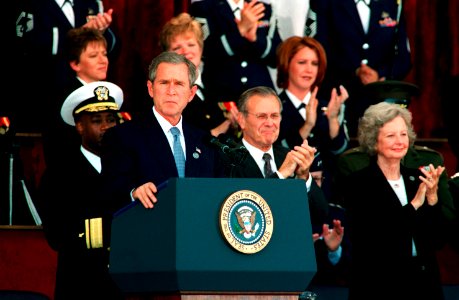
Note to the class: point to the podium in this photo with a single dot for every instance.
(179, 247)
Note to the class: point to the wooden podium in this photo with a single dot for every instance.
(177, 250)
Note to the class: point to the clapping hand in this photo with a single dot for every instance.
(250, 15)
(332, 237)
(100, 21)
(428, 187)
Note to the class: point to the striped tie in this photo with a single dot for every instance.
(178, 152)
(310, 28)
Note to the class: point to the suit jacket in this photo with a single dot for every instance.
(355, 159)
(137, 152)
(70, 193)
(231, 63)
(318, 205)
(319, 213)
(384, 47)
(381, 232)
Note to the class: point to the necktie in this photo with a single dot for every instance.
(268, 170)
(178, 152)
(200, 92)
(310, 28)
(302, 105)
(67, 9)
(237, 13)
(364, 13)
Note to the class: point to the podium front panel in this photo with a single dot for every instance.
(177, 246)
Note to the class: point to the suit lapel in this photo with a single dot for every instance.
(194, 151)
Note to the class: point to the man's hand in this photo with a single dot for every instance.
(146, 194)
(298, 161)
(304, 156)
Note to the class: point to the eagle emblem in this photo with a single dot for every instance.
(246, 219)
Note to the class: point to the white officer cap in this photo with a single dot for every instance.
(92, 97)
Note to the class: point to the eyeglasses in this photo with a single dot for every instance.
(264, 117)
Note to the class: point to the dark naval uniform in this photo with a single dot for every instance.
(73, 208)
(384, 48)
(76, 215)
(232, 64)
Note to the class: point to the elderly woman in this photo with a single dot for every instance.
(394, 217)
(183, 35)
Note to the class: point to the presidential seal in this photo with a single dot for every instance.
(246, 221)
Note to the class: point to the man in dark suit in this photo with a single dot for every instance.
(139, 154)
(365, 41)
(259, 118)
(76, 221)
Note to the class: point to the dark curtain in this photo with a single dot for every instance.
(433, 29)
(138, 24)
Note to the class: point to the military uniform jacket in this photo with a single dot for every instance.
(381, 233)
(204, 114)
(232, 64)
(341, 33)
(70, 193)
(319, 137)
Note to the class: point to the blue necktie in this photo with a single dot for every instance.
(178, 152)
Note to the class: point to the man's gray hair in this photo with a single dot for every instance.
(172, 58)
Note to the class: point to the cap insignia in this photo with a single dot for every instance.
(101, 93)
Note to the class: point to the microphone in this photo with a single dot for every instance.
(216, 143)
(228, 140)
(232, 155)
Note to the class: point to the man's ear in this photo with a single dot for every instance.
(241, 120)
(79, 127)
(194, 89)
